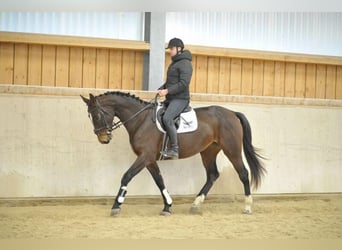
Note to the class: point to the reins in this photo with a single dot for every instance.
(153, 103)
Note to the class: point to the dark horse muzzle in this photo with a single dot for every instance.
(104, 136)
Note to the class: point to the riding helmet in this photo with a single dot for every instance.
(175, 42)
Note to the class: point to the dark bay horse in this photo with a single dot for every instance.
(218, 129)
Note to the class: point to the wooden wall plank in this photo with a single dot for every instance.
(279, 79)
(269, 73)
(89, 68)
(62, 66)
(139, 68)
(320, 80)
(34, 65)
(338, 82)
(143, 46)
(331, 82)
(201, 74)
(213, 75)
(192, 87)
(20, 63)
(290, 79)
(6, 63)
(128, 60)
(310, 83)
(75, 69)
(300, 80)
(102, 68)
(235, 81)
(73, 41)
(49, 65)
(224, 75)
(247, 77)
(115, 69)
(258, 77)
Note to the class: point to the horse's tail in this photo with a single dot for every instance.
(253, 158)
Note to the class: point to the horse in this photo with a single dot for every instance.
(218, 129)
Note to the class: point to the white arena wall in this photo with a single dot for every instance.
(48, 149)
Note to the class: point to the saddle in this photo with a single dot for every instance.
(185, 122)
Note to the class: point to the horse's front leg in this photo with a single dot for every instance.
(137, 166)
(157, 177)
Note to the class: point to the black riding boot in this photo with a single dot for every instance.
(172, 152)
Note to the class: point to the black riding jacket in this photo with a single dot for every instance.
(179, 75)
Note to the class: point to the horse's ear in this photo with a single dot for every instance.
(91, 99)
(85, 100)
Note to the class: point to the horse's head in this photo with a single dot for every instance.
(102, 117)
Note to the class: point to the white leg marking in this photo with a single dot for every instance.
(121, 198)
(248, 204)
(198, 200)
(167, 197)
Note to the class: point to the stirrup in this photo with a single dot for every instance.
(171, 153)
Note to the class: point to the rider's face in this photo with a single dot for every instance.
(174, 50)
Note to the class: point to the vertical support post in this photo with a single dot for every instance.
(154, 61)
(146, 62)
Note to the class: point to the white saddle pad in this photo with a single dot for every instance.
(188, 121)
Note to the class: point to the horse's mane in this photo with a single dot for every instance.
(133, 97)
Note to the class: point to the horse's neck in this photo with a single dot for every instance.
(126, 109)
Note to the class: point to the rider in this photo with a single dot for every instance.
(176, 90)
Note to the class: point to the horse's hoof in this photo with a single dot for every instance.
(247, 211)
(195, 210)
(115, 212)
(165, 213)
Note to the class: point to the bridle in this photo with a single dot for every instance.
(102, 113)
(115, 125)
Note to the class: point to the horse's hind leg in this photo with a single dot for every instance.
(236, 160)
(209, 161)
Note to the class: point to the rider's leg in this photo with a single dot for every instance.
(173, 110)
